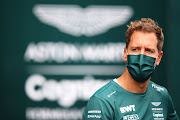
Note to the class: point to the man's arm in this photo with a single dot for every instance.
(98, 109)
(171, 111)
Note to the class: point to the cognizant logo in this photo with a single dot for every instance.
(65, 92)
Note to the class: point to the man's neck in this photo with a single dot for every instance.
(128, 83)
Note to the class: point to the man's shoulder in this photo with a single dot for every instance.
(107, 91)
(158, 88)
(99, 106)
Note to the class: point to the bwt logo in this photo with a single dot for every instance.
(127, 108)
(65, 92)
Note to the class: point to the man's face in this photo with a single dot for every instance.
(143, 43)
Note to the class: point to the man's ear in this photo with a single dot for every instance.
(125, 55)
(158, 60)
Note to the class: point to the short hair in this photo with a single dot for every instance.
(145, 25)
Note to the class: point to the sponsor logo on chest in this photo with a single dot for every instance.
(131, 117)
(157, 111)
(128, 108)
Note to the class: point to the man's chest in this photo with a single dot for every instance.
(140, 109)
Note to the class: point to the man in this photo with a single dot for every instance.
(133, 96)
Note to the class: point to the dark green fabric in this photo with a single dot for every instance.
(141, 67)
(112, 102)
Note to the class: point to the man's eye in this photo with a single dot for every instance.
(150, 51)
(134, 49)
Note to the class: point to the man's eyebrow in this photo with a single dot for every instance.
(134, 47)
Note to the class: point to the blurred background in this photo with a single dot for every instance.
(56, 53)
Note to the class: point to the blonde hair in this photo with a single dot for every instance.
(145, 25)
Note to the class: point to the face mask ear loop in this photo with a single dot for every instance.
(126, 52)
(155, 61)
(127, 55)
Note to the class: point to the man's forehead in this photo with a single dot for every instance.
(145, 39)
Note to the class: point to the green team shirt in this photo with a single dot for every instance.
(112, 102)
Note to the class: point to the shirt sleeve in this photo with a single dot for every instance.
(97, 109)
(172, 115)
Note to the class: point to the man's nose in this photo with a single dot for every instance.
(142, 51)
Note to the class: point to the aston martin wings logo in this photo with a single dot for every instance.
(156, 103)
(77, 21)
